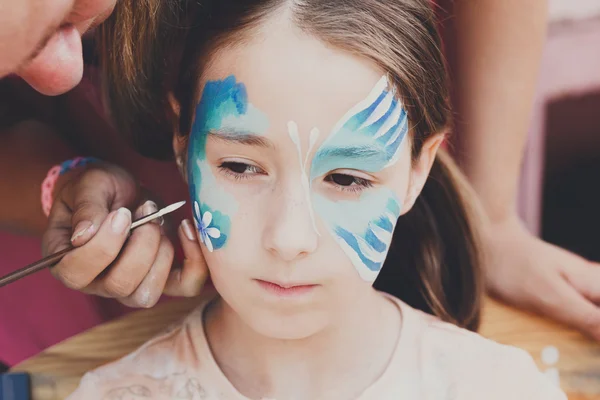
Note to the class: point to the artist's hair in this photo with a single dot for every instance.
(151, 48)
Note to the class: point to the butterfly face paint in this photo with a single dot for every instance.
(367, 138)
(224, 107)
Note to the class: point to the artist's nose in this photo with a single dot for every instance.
(59, 66)
(291, 231)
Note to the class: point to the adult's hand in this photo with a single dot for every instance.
(529, 273)
(91, 212)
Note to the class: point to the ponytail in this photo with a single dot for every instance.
(433, 262)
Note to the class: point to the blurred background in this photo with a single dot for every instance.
(559, 195)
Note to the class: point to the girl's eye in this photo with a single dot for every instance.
(239, 170)
(349, 183)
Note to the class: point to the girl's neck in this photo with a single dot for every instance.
(338, 362)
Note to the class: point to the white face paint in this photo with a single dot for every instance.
(314, 136)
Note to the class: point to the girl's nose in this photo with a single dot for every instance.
(290, 232)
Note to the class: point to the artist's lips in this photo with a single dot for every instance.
(286, 289)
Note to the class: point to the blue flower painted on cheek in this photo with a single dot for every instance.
(203, 223)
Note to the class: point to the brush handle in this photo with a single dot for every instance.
(46, 262)
(55, 258)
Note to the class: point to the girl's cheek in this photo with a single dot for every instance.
(363, 228)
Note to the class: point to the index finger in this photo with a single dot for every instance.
(573, 309)
(83, 264)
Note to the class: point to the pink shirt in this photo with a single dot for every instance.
(433, 360)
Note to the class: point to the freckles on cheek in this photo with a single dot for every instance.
(363, 228)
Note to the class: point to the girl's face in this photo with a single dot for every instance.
(299, 166)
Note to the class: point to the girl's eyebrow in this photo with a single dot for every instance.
(244, 138)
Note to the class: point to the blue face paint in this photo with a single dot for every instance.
(367, 138)
(372, 131)
(224, 107)
(362, 228)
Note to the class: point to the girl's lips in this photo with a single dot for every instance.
(285, 290)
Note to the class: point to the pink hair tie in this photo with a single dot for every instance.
(53, 175)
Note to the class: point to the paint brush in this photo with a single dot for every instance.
(53, 259)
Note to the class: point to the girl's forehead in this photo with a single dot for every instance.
(295, 77)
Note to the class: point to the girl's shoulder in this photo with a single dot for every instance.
(464, 365)
(166, 367)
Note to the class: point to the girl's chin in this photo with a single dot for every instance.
(286, 326)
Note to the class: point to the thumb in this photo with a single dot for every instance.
(57, 236)
(96, 194)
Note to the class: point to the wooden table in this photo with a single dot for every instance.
(56, 371)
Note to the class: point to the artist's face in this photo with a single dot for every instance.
(299, 166)
(40, 40)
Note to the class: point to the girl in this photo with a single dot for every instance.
(307, 131)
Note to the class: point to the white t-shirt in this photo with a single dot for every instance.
(433, 360)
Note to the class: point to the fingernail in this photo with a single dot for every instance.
(82, 228)
(150, 207)
(187, 230)
(121, 221)
(144, 298)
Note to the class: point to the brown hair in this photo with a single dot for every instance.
(433, 264)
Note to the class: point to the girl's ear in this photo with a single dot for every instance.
(179, 148)
(179, 141)
(174, 104)
(421, 168)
